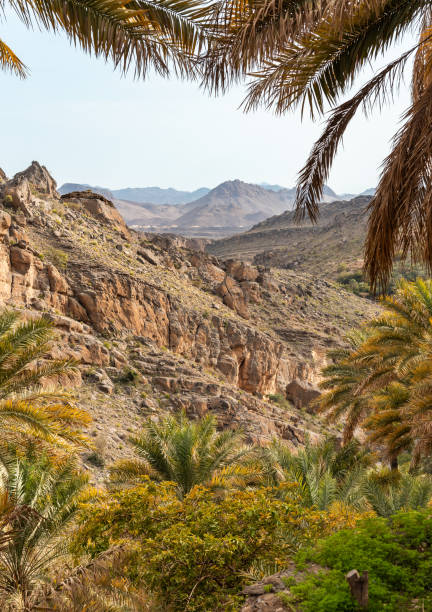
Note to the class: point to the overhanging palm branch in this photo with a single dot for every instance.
(309, 54)
(9, 61)
(246, 33)
(134, 35)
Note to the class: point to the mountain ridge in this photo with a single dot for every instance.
(230, 207)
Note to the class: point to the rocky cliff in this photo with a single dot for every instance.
(157, 324)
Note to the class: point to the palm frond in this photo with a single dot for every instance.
(317, 168)
(401, 210)
(137, 35)
(315, 70)
(9, 61)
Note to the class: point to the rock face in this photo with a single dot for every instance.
(115, 302)
(233, 296)
(300, 394)
(3, 176)
(197, 333)
(39, 178)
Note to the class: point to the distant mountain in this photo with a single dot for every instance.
(156, 195)
(233, 206)
(140, 195)
(334, 244)
(327, 191)
(270, 187)
(369, 192)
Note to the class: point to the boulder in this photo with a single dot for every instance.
(21, 260)
(98, 207)
(264, 596)
(148, 256)
(16, 234)
(301, 393)
(3, 177)
(251, 291)
(241, 271)
(33, 188)
(5, 222)
(18, 195)
(233, 297)
(58, 284)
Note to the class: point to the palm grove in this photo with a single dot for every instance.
(199, 513)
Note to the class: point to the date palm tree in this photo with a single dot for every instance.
(387, 494)
(136, 35)
(383, 380)
(308, 54)
(28, 408)
(49, 493)
(388, 423)
(189, 453)
(345, 385)
(325, 471)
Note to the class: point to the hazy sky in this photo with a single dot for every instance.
(88, 124)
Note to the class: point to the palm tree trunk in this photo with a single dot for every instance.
(394, 464)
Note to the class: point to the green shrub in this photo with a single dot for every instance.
(195, 552)
(280, 400)
(128, 376)
(96, 459)
(396, 552)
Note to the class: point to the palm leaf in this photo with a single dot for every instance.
(9, 61)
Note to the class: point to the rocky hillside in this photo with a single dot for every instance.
(336, 240)
(158, 325)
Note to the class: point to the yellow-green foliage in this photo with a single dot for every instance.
(195, 551)
(58, 257)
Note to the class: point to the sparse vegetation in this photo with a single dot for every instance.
(280, 400)
(128, 376)
(56, 256)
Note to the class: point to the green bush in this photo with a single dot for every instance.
(193, 553)
(280, 400)
(128, 376)
(396, 552)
